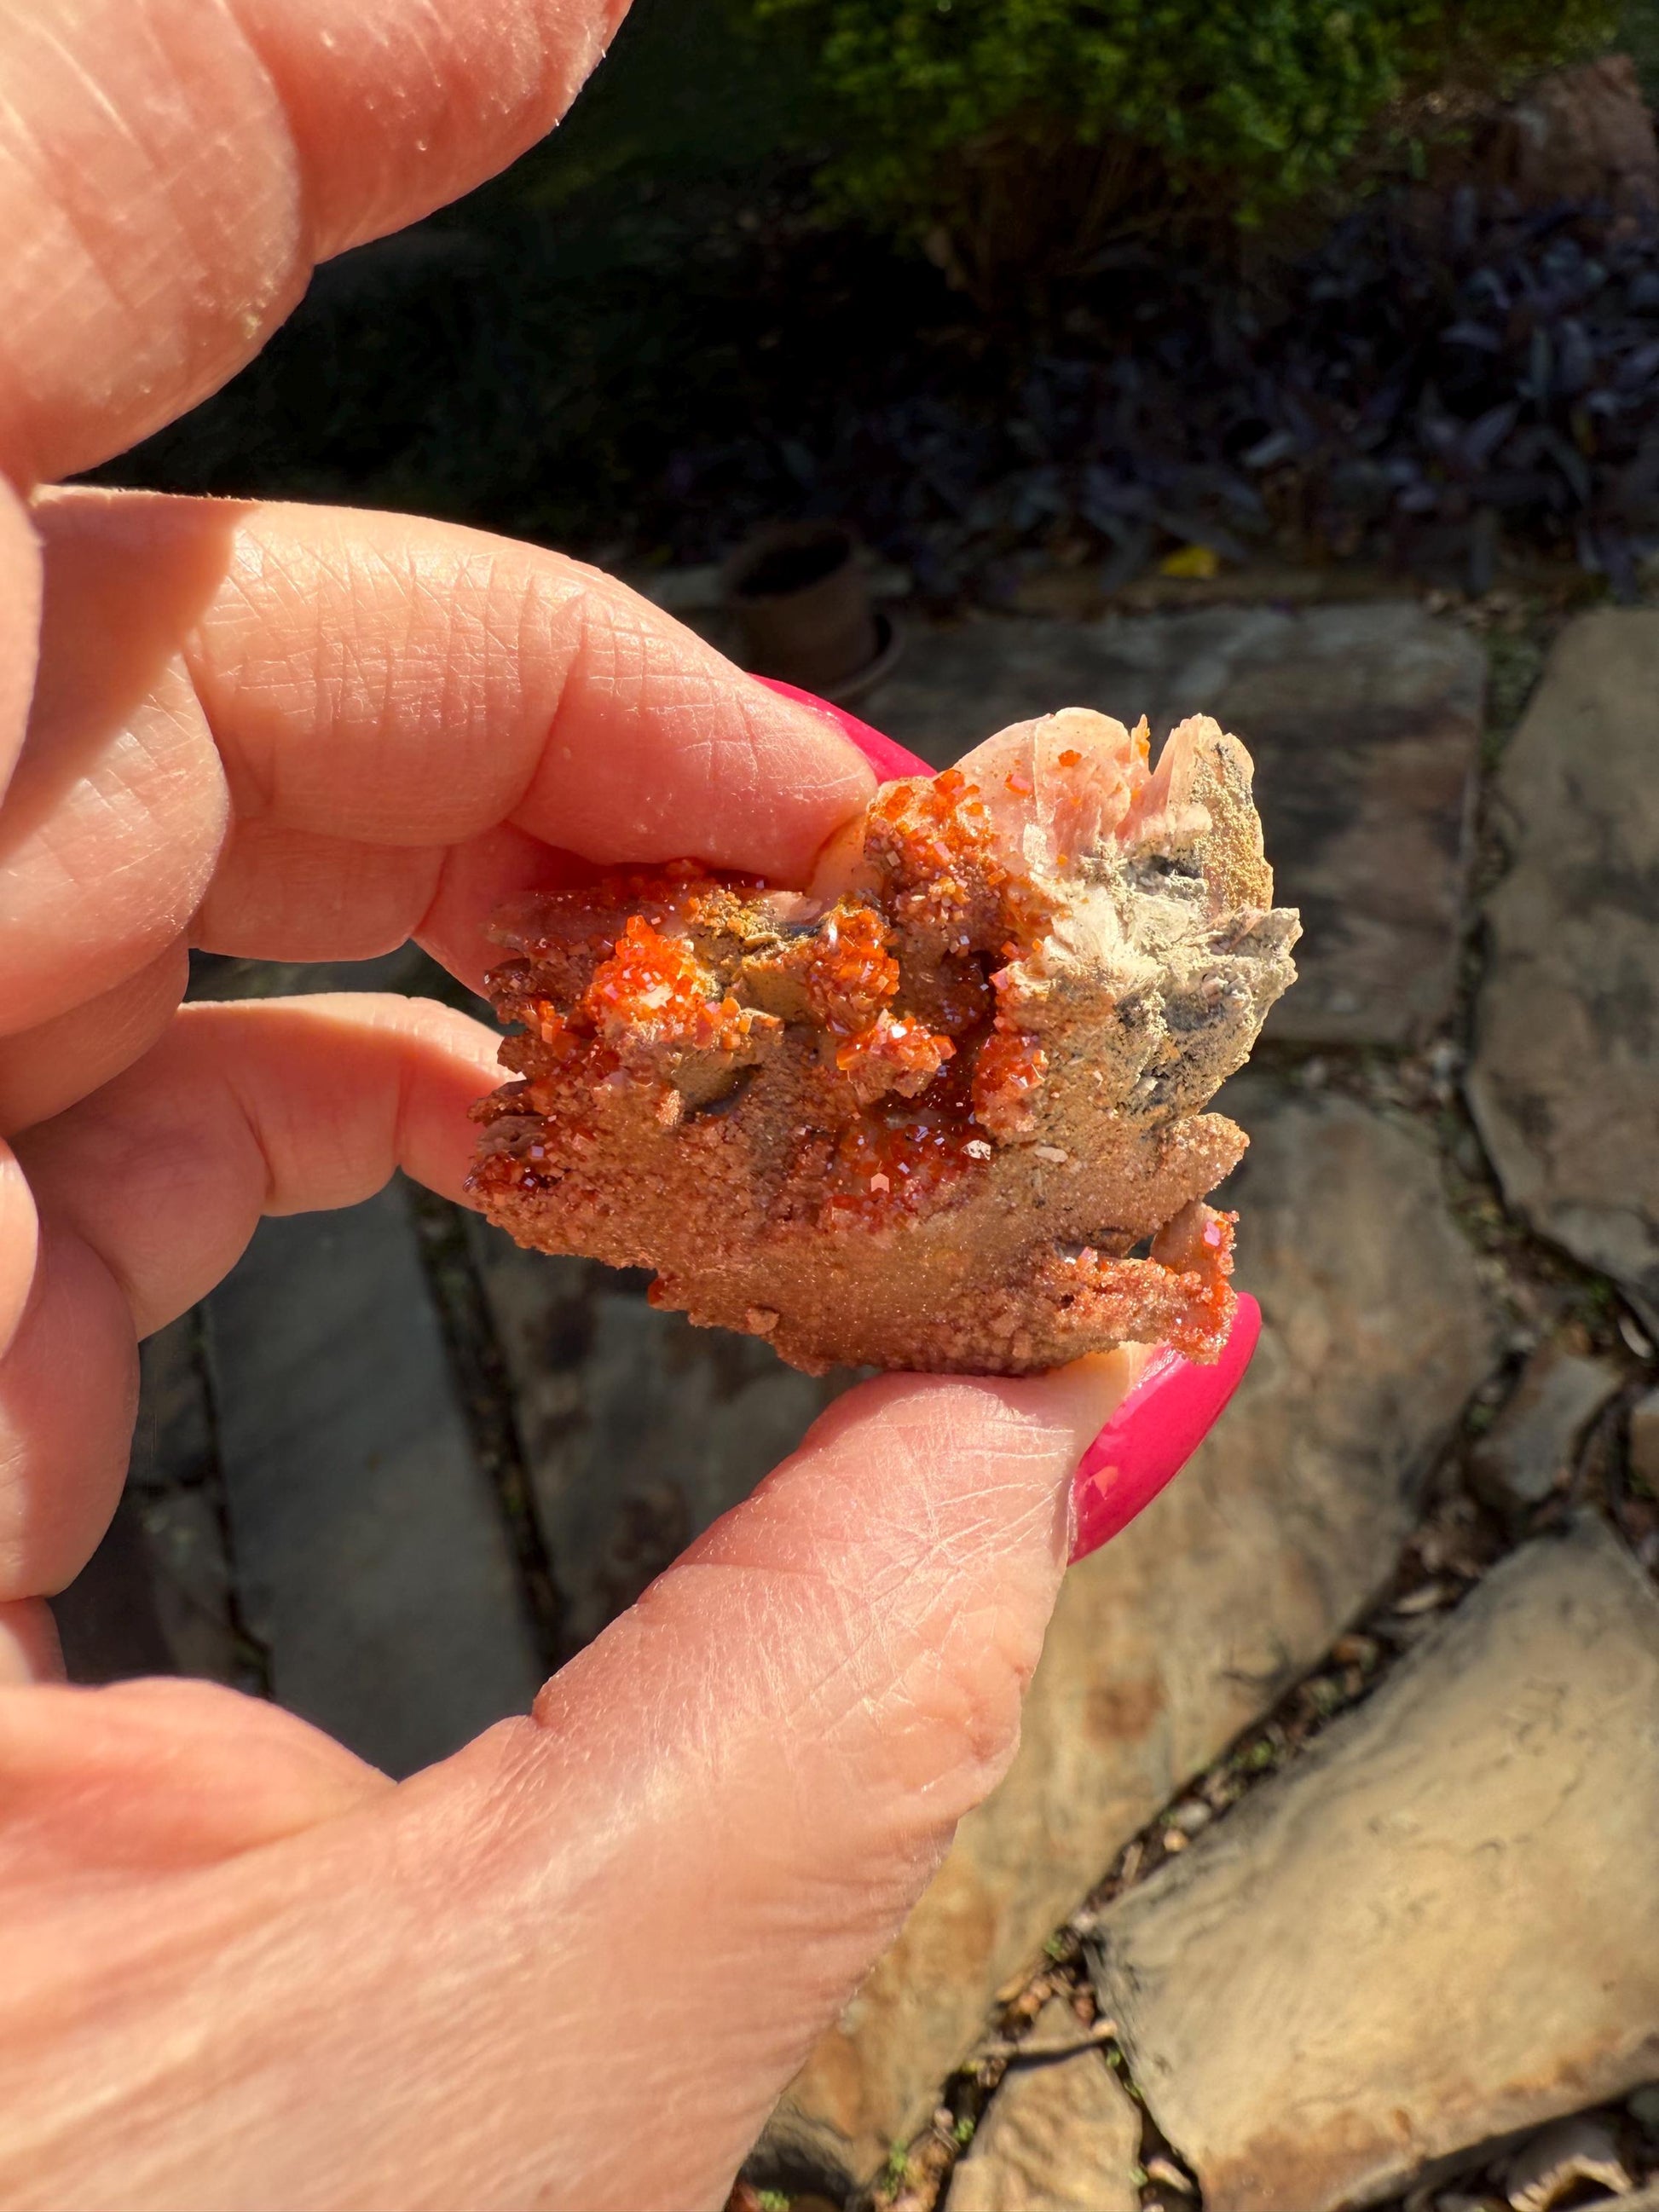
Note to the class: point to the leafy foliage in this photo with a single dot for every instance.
(1252, 103)
(641, 346)
(1427, 396)
(1638, 37)
(1432, 394)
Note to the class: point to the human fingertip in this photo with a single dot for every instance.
(1095, 1386)
(29, 1648)
(1157, 1425)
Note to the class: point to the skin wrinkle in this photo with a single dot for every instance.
(175, 1737)
(518, 650)
(71, 278)
(172, 2068)
(235, 1154)
(344, 685)
(296, 895)
(232, 1223)
(129, 521)
(527, 646)
(527, 68)
(70, 870)
(105, 787)
(360, 674)
(574, 662)
(112, 260)
(46, 1068)
(980, 1713)
(957, 1688)
(134, 784)
(872, 1526)
(657, 1841)
(855, 1637)
(137, 783)
(257, 564)
(137, 244)
(453, 713)
(118, 807)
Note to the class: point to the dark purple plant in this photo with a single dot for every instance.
(1425, 388)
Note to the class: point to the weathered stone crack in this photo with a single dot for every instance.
(486, 1397)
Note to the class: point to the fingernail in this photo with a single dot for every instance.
(1154, 1433)
(889, 760)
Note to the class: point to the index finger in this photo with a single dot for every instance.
(273, 704)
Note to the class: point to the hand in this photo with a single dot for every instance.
(575, 1963)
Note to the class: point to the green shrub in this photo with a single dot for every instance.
(1638, 36)
(1082, 112)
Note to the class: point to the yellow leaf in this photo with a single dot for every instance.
(1197, 563)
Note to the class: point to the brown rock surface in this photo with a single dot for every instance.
(1578, 134)
(1172, 1640)
(368, 1545)
(1440, 1925)
(1060, 2138)
(1644, 1440)
(1364, 725)
(1550, 2169)
(1564, 1082)
(1529, 1451)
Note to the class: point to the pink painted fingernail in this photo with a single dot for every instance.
(1154, 1433)
(889, 760)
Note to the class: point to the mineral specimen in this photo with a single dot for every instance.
(942, 1109)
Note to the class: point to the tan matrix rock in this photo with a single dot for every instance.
(922, 1113)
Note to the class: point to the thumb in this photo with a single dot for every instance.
(736, 1795)
(575, 1963)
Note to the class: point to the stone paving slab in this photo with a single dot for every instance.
(1550, 2165)
(1564, 1080)
(173, 1483)
(1644, 1440)
(1365, 722)
(1172, 1640)
(370, 1551)
(1528, 1452)
(108, 1623)
(637, 1429)
(407, 970)
(1061, 2137)
(1439, 1926)
(1560, 2161)
(155, 1598)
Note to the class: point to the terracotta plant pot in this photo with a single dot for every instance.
(801, 599)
